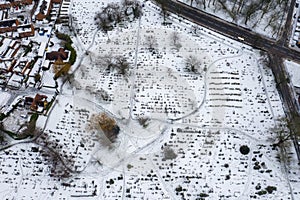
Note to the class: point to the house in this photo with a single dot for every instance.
(59, 55)
(28, 101)
(6, 5)
(39, 103)
(46, 65)
(15, 82)
(26, 30)
(45, 9)
(9, 25)
(42, 49)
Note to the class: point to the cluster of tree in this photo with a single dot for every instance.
(246, 10)
(57, 167)
(102, 122)
(118, 63)
(115, 13)
(285, 129)
(100, 94)
(152, 44)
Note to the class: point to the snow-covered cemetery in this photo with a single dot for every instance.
(117, 99)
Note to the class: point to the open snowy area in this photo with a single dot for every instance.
(203, 133)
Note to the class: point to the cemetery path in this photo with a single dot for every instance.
(244, 194)
(163, 182)
(133, 75)
(124, 183)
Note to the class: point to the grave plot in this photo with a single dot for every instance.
(211, 162)
(191, 162)
(66, 134)
(239, 95)
(18, 172)
(132, 186)
(85, 26)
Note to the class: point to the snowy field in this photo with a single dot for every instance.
(197, 122)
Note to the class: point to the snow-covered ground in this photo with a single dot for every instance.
(293, 69)
(4, 99)
(190, 148)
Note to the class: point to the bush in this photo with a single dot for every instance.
(68, 46)
(169, 154)
(2, 116)
(270, 189)
(203, 195)
(73, 55)
(262, 192)
(244, 149)
(178, 188)
(34, 117)
(64, 37)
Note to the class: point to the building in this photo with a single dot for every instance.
(39, 103)
(45, 9)
(42, 49)
(8, 25)
(60, 55)
(26, 30)
(6, 5)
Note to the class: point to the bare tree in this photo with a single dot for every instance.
(151, 42)
(103, 22)
(168, 153)
(281, 134)
(132, 6)
(107, 61)
(193, 64)
(115, 13)
(118, 63)
(122, 65)
(175, 40)
(164, 11)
